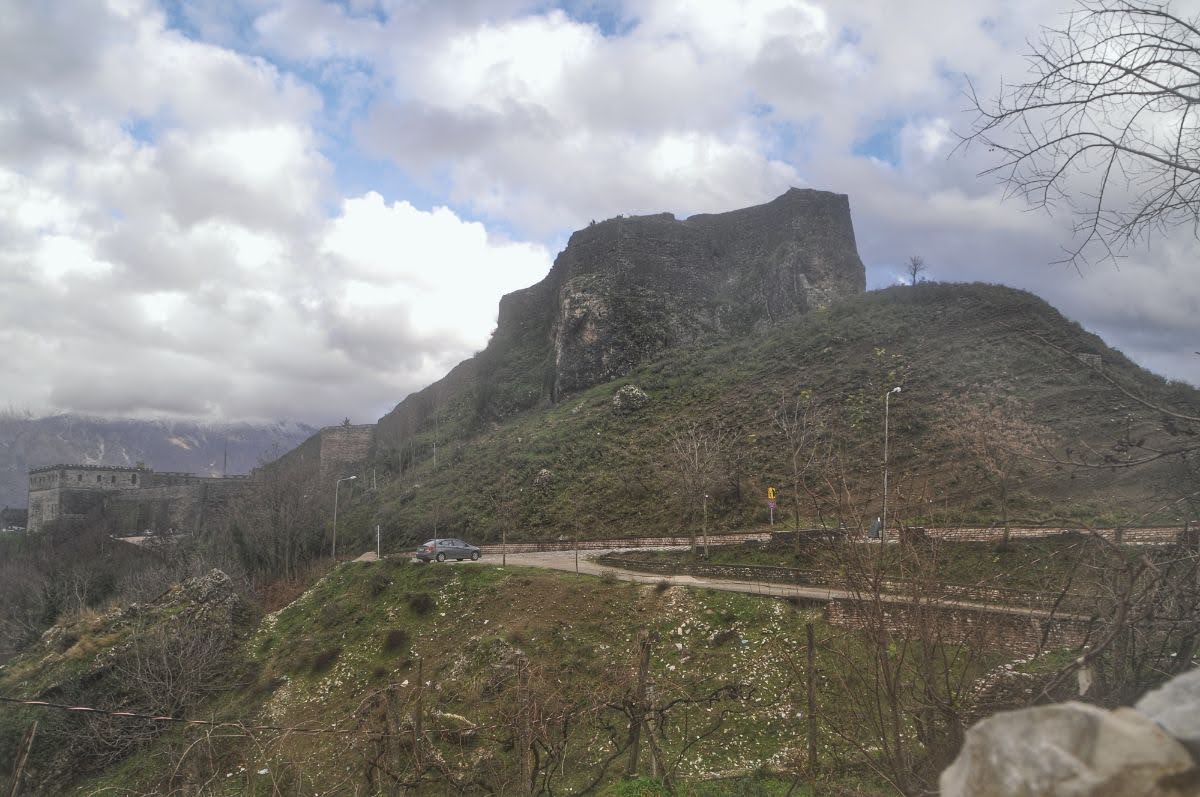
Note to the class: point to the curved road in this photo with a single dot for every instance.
(566, 560)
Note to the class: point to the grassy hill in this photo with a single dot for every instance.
(579, 467)
(505, 655)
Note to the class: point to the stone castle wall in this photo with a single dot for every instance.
(138, 498)
(331, 453)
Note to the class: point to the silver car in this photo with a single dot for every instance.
(444, 549)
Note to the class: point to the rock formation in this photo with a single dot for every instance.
(1078, 750)
(628, 289)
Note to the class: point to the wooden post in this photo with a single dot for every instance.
(639, 703)
(418, 721)
(526, 726)
(577, 552)
(812, 698)
(22, 758)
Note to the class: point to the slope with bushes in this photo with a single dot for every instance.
(579, 467)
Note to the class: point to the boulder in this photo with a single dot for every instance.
(1175, 706)
(630, 398)
(1068, 750)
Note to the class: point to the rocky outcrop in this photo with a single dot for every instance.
(630, 398)
(1078, 750)
(628, 289)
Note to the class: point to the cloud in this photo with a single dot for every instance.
(176, 247)
(177, 237)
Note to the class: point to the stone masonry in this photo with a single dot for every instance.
(139, 497)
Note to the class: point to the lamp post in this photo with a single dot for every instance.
(337, 485)
(883, 520)
(705, 526)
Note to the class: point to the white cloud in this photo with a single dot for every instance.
(174, 239)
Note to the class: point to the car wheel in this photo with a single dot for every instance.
(474, 556)
(441, 557)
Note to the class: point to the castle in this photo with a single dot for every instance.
(140, 499)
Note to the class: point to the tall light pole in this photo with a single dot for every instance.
(705, 527)
(335, 503)
(883, 520)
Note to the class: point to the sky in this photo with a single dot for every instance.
(306, 209)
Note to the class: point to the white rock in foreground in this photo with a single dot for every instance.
(1068, 750)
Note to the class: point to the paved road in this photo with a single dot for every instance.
(566, 560)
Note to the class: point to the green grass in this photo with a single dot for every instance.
(457, 626)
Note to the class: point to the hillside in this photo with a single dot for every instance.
(27, 442)
(579, 466)
(627, 289)
(487, 658)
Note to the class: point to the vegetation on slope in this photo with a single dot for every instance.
(487, 643)
(578, 467)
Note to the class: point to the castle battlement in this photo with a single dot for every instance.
(150, 499)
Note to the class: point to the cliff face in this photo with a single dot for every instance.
(627, 289)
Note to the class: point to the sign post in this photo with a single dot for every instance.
(771, 503)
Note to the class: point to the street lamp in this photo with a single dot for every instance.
(883, 520)
(335, 503)
(705, 526)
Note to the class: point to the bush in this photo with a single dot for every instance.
(332, 614)
(724, 637)
(395, 640)
(421, 603)
(378, 583)
(324, 661)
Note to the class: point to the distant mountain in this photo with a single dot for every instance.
(208, 449)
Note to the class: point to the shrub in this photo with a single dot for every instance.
(662, 586)
(332, 614)
(323, 661)
(378, 583)
(421, 603)
(395, 640)
(721, 638)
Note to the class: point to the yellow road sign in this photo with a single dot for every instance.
(770, 493)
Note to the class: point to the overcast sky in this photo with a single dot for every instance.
(306, 209)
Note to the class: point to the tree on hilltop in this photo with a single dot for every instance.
(915, 267)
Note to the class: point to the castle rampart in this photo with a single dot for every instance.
(140, 498)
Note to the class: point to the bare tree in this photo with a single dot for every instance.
(805, 423)
(276, 524)
(997, 439)
(1105, 126)
(695, 455)
(915, 268)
